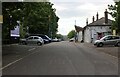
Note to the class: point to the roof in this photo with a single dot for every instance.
(77, 28)
(101, 22)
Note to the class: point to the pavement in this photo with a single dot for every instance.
(110, 50)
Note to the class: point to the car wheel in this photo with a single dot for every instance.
(100, 45)
(39, 43)
(118, 44)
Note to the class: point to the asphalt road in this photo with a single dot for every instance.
(62, 58)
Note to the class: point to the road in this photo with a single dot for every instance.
(62, 58)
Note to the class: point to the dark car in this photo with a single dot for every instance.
(44, 37)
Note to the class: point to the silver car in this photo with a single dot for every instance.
(108, 40)
(32, 40)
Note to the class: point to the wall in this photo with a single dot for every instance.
(80, 36)
(87, 35)
(91, 33)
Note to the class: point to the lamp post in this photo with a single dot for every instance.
(49, 24)
(9, 28)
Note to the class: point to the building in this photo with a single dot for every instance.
(79, 33)
(97, 29)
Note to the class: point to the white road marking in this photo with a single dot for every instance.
(18, 59)
(31, 49)
(11, 63)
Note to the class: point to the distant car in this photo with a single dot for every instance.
(108, 40)
(32, 40)
(56, 40)
(72, 39)
(44, 37)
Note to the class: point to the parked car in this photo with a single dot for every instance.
(72, 39)
(44, 37)
(56, 40)
(32, 40)
(108, 40)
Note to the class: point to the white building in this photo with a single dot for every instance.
(79, 33)
(97, 29)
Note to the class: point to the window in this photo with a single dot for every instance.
(109, 27)
(109, 38)
(115, 37)
(30, 38)
(36, 38)
(112, 37)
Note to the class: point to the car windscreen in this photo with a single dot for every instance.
(103, 38)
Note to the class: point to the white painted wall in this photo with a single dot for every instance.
(91, 32)
(80, 36)
(87, 35)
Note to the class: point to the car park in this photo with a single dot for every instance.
(32, 40)
(108, 40)
(44, 37)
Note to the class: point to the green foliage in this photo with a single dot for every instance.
(40, 17)
(10, 16)
(71, 34)
(115, 13)
(59, 36)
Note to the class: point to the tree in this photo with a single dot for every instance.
(71, 34)
(40, 18)
(115, 13)
(59, 36)
(34, 17)
(10, 16)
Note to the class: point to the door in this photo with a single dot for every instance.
(100, 36)
(36, 39)
(109, 40)
(30, 40)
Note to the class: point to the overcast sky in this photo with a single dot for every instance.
(70, 10)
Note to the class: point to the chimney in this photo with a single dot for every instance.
(87, 21)
(106, 16)
(93, 18)
(97, 16)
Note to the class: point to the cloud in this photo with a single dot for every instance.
(60, 8)
(70, 10)
(77, 9)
